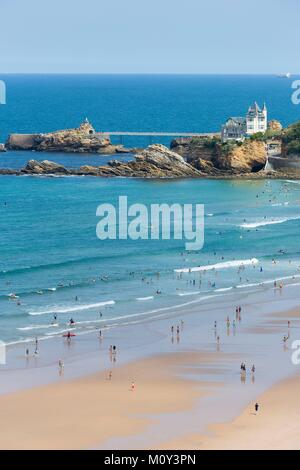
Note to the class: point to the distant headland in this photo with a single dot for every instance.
(245, 147)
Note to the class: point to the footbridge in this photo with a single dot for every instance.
(120, 135)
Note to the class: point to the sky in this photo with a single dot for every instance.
(149, 36)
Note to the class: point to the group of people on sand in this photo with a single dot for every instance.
(244, 369)
(178, 329)
(36, 349)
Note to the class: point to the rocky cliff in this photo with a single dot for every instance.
(248, 157)
(83, 139)
(214, 158)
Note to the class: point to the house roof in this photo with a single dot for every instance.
(238, 121)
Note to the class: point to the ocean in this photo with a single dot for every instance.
(50, 257)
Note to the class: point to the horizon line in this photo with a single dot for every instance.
(155, 73)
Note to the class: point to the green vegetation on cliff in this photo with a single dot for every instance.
(291, 139)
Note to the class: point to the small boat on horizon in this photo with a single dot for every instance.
(284, 75)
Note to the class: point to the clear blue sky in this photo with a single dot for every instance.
(149, 36)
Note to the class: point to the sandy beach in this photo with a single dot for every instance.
(274, 427)
(84, 413)
(188, 391)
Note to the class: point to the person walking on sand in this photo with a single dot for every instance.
(256, 407)
(110, 375)
(61, 365)
(132, 386)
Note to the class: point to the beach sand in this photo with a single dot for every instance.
(93, 412)
(275, 427)
(86, 412)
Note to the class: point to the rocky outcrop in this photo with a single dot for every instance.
(248, 157)
(275, 126)
(21, 142)
(156, 161)
(2, 148)
(193, 148)
(212, 157)
(158, 158)
(45, 167)
(84, 139)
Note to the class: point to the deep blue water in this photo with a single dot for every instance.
(170, 103)
(49, 252)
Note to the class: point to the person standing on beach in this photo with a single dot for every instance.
(36, 346)
(256, 407)
(132, 386)
(61, 366)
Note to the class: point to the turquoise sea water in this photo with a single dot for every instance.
(50, 257)
(52, 260)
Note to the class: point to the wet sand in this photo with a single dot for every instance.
(275, 427)
(179, 393)
(84, 413)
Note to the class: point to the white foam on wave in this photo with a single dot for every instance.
(37, 327)
(224, 289)
(270, 281)
(145, 298)
(293, 181)
(73, 308)
(162, 309)
(225, 265)
(60, 332)
(242, 286)
(268, 222)
(183, 294)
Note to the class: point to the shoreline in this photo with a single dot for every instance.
(181, 394)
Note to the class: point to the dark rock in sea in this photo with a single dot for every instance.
(156, 161)
(84, 139)
(45, 167)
